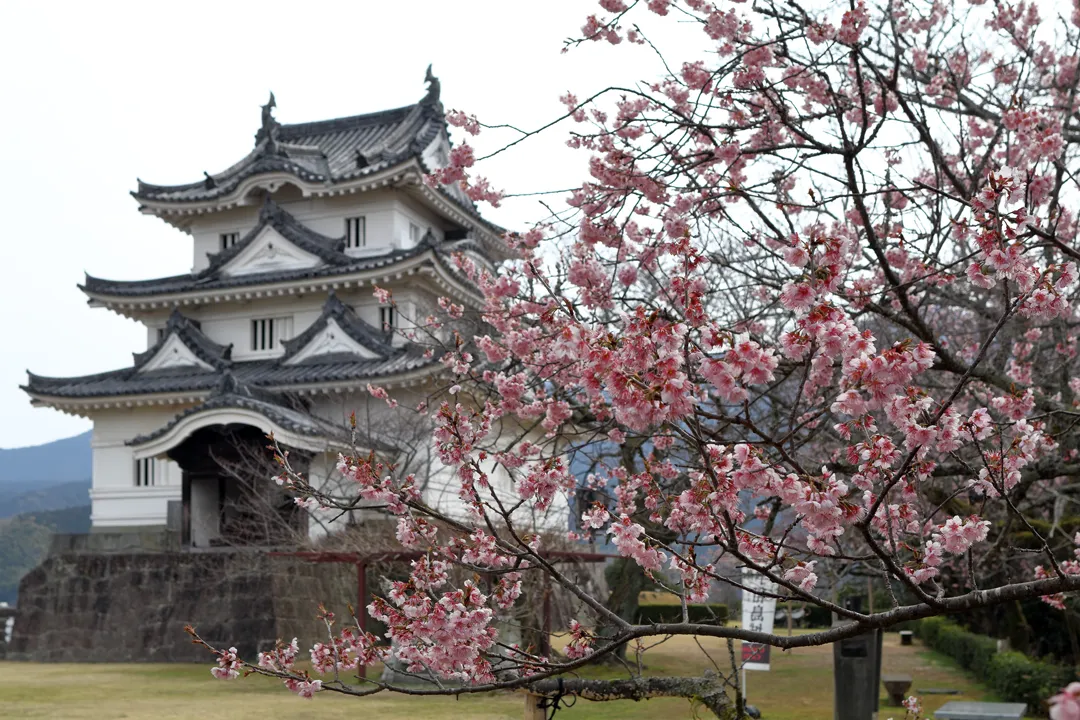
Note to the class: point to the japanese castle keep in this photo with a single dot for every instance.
(274, 330)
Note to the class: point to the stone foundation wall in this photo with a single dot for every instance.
(297, 589)
(132, 607)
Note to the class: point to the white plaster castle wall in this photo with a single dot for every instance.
(441, 482)
(443, 487)
(115, 499)
(409, 212)
(388, 215)
(373, 419)
(226, 323)
(118, 502)
(231, 323)
(206, 233)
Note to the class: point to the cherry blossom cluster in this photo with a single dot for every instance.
(581, 641)
(454, 173)
(647, 368)
(1068, 567)
(814, 304)
(449, 636)
(229, 665)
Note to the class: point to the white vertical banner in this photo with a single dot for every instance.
(758, 613)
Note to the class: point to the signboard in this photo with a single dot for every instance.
(758, 613)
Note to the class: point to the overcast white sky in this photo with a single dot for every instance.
(95, 95)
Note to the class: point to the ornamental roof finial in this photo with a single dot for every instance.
(433, 87)
(269, 124)
(228, 385)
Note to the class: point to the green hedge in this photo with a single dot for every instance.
(713, 614)
(973, 652)
(1013, 676)
(817, 617)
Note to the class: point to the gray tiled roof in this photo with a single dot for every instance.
(203, 347)
(324, 151)
(377, 341)
(213, 279)
(328, 152)
(253, 373)
(287, 413)
(329, 249)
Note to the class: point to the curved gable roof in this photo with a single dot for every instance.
(326, 151)
(282, 414)
(376, 341)
(271, 215)
(215, 363)
(187, 332)
(212, 279)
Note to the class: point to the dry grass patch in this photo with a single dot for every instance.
(799, 687)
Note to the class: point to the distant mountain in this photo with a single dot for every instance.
(42, 466)
(43, 489)
(24, 542)
(66, 520)
(46, 497)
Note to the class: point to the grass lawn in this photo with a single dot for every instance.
(799, 687)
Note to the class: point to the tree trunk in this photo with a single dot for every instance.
(626, 579)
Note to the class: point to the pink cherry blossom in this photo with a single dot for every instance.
(802, 574)
(304, 688)
(814, 292)
(580, 641)
(1066, 704)
(229, 665)
(595, 519)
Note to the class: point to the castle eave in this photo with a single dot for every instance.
(128, 388)
(408, 175)
(87, 407)
(244, 193)
(234, 404)
(427, 264)
(315, 152)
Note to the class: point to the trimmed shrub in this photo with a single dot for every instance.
(927, 630)
(973, 652)
(713, 613)
(1013, 676)
(1017, 678)
(817, 617)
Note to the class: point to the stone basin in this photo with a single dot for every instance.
(897, 687)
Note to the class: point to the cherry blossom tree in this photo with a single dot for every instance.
(822, 281)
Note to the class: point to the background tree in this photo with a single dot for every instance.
(823, 276)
